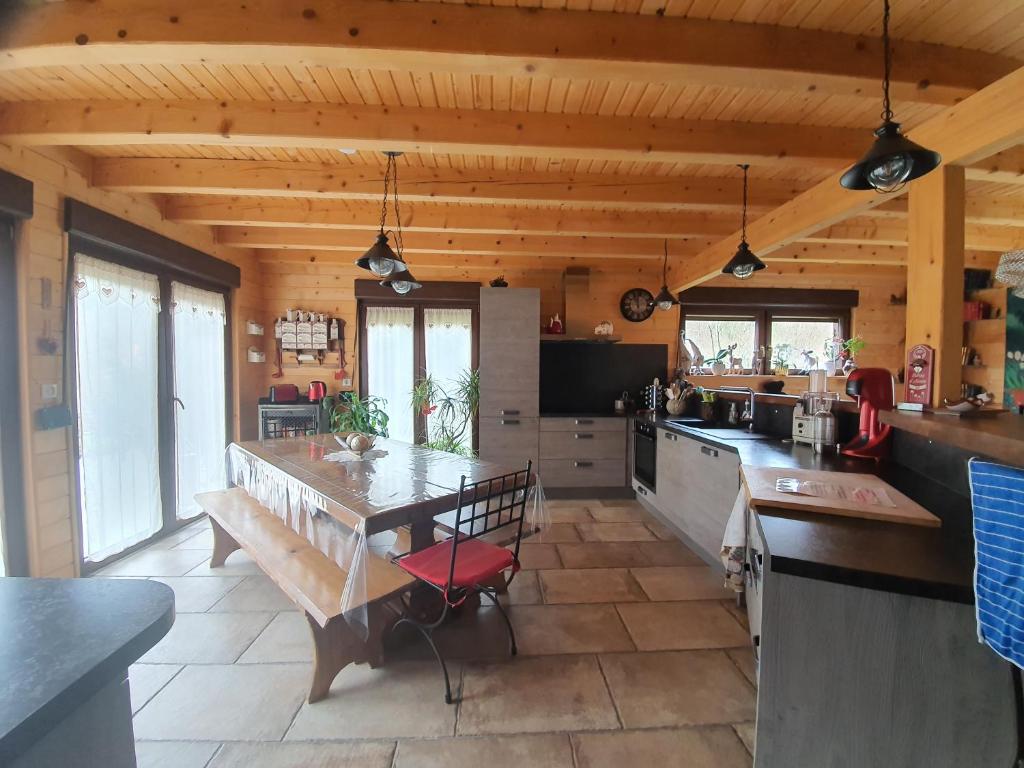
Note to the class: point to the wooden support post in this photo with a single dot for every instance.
(223, 544)
(935, 274)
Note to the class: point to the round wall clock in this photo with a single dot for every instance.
(637, 304)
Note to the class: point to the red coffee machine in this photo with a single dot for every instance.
(875, 391)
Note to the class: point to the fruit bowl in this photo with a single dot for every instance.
(356, 443)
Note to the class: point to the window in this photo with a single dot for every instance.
(389, 365)
(794, 325)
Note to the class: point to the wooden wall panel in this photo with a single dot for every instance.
(42, 254)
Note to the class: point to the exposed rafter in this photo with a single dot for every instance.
(414, 129)
(496, 41)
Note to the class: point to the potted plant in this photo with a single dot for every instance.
(782, 353)
(449, 414)
(717, 363)
(851, 347)
(364, 415)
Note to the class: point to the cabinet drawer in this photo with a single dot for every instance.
(582, 423)
(569, 473)
(508, 441)
(510, 404)
(583, 443)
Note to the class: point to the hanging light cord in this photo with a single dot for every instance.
(387, 184)
(743, 230)
(886, 108)
(398, 216)
(664, 266)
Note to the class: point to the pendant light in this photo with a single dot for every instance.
(381, 259)
(744, 263)
(893, 159)
(1011, 271)
(665, 300)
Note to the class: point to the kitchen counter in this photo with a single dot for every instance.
(64, 641)
(927, 562)
(997, 437)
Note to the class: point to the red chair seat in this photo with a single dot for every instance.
(475, 562)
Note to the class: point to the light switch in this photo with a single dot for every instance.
(49, 392)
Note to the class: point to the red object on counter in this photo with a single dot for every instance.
(875, 392)
(317, 391)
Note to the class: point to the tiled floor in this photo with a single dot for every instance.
(631, 652)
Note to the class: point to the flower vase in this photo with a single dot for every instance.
(830, 367)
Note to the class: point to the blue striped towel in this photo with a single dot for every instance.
(997, 495)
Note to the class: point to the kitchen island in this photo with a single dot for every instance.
(65, 650)
(863, 630)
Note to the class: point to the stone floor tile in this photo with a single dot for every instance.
(738, 613)
(156, 562)
(682, 626)
(207, 638)
(619, 514)
(593, 554)
(255, 593)
(556, 533)
(673, 688)
(366, 754)
(668, 553)
(570, 515)
(562, 629)
(690, 582)
(746, 732)
(144, 680)
(172, 540)
(173, 754)
(192, 595)
(707, 747)
(403, 699)
(560, 503)
(237, 564)
(590, 585)
(549, 750)
(202, 539)
(614, 532)
(532, 694)
(524, 589)
(619, 503)
(239, 702)
(286, 639)
(477, 635)
(663, 532)
(743, 658)
(537, 556)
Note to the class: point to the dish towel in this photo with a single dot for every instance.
(734, 543)
(997, 495)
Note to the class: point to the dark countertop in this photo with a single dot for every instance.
(928, 562)
(65, 639)
(997, 437)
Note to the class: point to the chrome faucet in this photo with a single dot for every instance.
(748, 410)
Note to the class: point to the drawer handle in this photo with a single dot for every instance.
(708, 451)
(581, 422)
(670, 436)
(582, 464)
(508, 413)
(509, 422)
(583, 436)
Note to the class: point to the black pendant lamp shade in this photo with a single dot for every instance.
(402, 282)
(744, 264)
(665, 300)
(893, 160)
(381, 259)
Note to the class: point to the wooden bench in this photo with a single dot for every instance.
(311, 579)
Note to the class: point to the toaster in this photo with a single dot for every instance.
(284, 393)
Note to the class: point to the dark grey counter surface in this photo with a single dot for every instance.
(62, 640)
(928, 562)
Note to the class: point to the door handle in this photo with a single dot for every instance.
(581, 422)
(670, 436)
(178, 401)
(509, 422)
(508, 413)
(583, 436)
(582, 464)
(708, 451)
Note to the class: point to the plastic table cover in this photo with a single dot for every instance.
(352, 510)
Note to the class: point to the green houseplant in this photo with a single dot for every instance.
(354, 414)
(449, 414)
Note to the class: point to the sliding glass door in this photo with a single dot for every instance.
(151, 402)
(117, 313)
(389, 334)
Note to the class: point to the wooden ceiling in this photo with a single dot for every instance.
(580, 132)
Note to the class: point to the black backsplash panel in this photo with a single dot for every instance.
(943, 463)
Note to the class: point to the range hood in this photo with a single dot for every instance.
(580, 317)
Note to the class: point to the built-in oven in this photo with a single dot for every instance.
(645, 453)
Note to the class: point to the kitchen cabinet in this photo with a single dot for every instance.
(583, 452)
(697, 485)
(509, 374)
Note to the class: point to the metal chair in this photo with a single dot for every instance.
(465, 564)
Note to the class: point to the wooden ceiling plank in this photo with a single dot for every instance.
(501, 41)
(1006, 167)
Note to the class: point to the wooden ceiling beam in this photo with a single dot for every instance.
(877, 231)
(516, 42)
(1004, 211)
(358, 242)
(329, 263)
(984, 124)
(415, 129)
(434, 217)
(449, 185)
(1006, 167)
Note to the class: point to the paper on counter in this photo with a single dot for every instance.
(876, 497)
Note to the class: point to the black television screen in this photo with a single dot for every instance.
(586, 377)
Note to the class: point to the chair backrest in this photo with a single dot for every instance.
(484, 506)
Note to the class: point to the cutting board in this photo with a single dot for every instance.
(760, 484)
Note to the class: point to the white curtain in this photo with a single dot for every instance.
(199, 378)
(448, 339)
(389, 363)
(116, 311)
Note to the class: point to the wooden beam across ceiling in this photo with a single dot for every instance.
(985, 123)
(317, 260)
(1006, 167)
(449, 185)
(472, 40)
(415, 129)
(878, 231)
(1003, 211)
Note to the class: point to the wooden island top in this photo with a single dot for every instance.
(997, 437)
